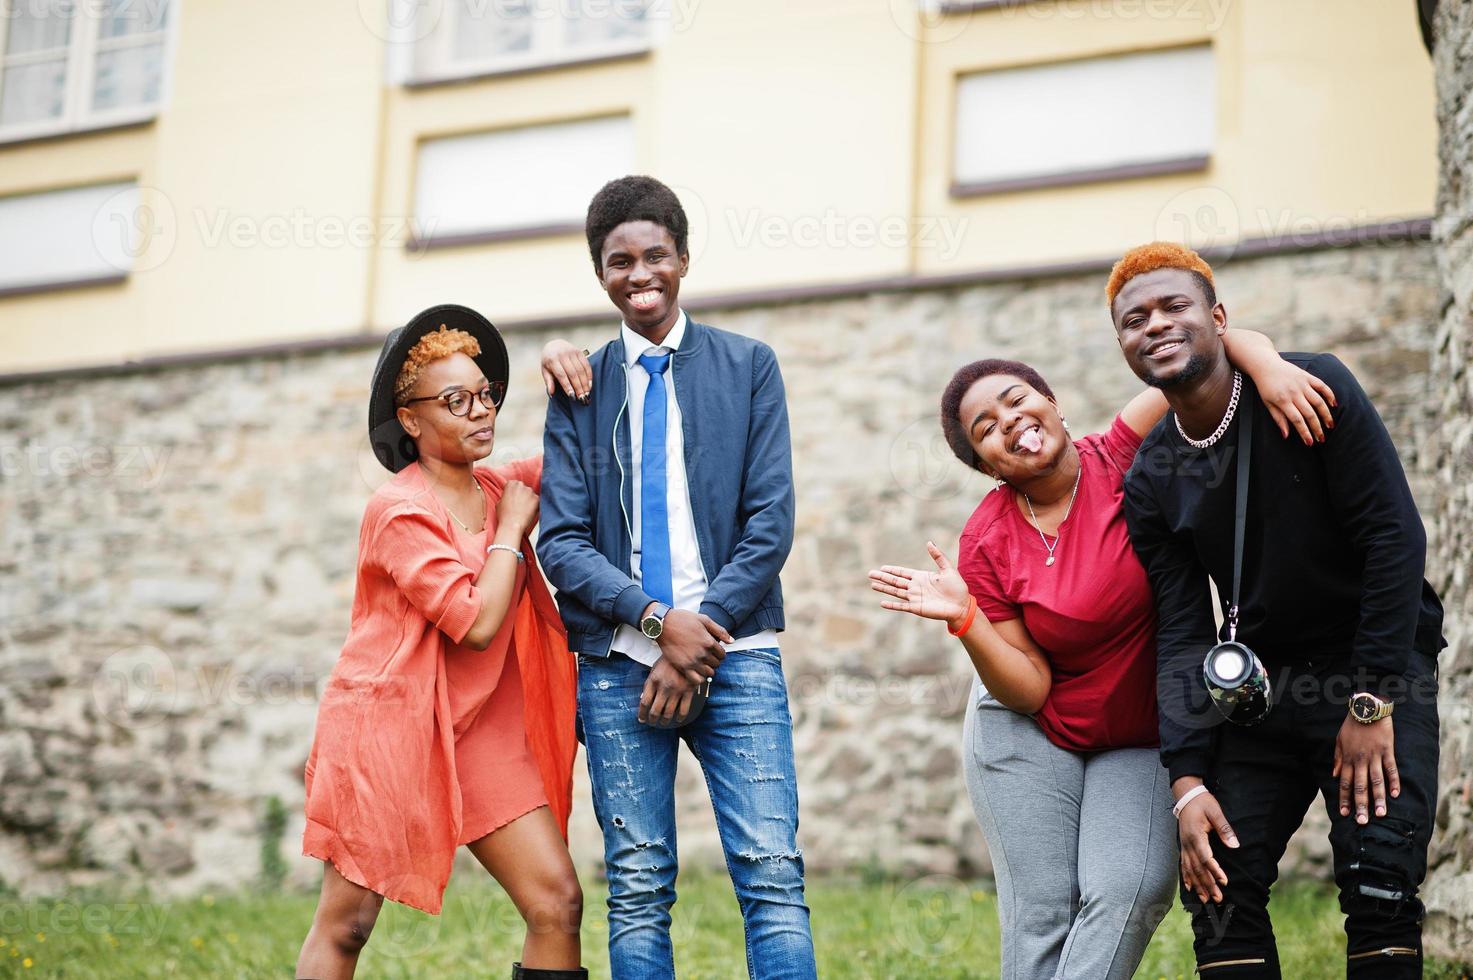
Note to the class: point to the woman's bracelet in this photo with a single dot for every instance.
(1186, 798)
(967, 619)
(506, 547)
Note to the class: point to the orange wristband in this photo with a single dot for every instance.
(967, 619)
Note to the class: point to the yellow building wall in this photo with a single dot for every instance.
(1324, 121)
(267, 139)
(784, 127)
(811, 143)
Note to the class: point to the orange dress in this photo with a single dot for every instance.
(423, 744)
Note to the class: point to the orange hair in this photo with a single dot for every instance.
(1150, 257)
(431, 347)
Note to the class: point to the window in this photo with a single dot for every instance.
(517, 182)
(78, 236)
(1073, 122)
(474, 37)
(69, 65)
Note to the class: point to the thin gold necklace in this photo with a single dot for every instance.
(1041, 535)
(457, 520)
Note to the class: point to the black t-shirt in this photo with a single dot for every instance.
(1333, 554)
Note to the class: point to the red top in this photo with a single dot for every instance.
(1091, 612)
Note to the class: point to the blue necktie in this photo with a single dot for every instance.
(654, 516)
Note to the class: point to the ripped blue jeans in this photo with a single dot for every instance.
(744, 744)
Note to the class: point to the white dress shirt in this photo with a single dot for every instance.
(687, 576)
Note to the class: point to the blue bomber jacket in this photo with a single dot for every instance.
(738, 461)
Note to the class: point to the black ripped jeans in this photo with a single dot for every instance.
(1267, 776)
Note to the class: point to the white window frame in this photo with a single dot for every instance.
(120, 203)
(967, 185)
(509, 231)
(435, 44)
(83, 45)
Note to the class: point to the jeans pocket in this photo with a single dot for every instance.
(768, 654)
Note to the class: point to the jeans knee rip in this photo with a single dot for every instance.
(758, 857)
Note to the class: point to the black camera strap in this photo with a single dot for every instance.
(1240, 505)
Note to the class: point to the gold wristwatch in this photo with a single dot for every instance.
(1368, 709)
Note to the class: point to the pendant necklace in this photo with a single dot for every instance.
(1042, 537)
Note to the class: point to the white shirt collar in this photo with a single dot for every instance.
(635, 345)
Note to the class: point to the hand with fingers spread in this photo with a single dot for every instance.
(1297, 399)
(941, 594)
(1201, 816)
(565, 366)
(1365, 764)
(1012, 667)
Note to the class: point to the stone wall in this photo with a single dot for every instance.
(1449, 463)
(180, 548)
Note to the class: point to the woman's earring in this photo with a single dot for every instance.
(1065, 421)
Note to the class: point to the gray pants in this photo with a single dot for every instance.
(1083, 845)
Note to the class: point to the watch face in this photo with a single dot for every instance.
(1364, 708)
(652, 627)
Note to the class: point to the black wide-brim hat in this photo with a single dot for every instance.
(391, 444)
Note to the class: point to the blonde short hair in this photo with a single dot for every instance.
(430, 348)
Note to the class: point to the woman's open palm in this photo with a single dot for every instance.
(941, 594)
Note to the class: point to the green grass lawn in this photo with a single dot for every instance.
(934, 928)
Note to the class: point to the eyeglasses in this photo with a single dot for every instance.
(459, 400)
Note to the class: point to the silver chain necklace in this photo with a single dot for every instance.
(1222, 426)
(1041, 535)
